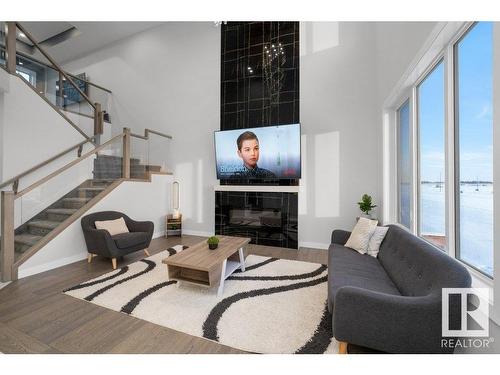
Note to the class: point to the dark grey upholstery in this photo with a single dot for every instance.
(100, 242)
(391, 303)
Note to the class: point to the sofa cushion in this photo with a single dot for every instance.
(346, 267)
(114, 227)
(126, 240)
(377, 238)
(361, 234)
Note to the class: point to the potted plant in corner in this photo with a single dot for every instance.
(213, 242)
(365, 205)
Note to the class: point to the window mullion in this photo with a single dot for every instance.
(414, 160)
(451, 187)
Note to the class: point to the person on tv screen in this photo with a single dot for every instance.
(248, 151)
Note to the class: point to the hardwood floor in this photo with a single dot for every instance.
(36, 317)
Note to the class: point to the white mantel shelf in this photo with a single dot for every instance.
(258, 188)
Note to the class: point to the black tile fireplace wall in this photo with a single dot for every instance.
(259, 74)
(267, 218)
(259, 87)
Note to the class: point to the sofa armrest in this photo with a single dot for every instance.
(99, 242)
(340, 236)
(140, 226)
(390, 323)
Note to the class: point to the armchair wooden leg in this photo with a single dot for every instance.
(113, 261)
(146, 252)
(89, 257)
(342, 347)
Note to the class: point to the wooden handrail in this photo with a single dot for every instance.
(67, 166)
(24, 55)
(56, 65)
(147, 131)
(146, 134)
(15, 179)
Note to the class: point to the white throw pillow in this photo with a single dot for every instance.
(361, 234)
(375, 241)
(117, 226)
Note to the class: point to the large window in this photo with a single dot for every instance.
(455, 215)
(431, 131)
(474, 141)
(404, 165)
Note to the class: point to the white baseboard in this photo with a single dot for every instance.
(315, 245)
(62, 262)
(197, 233)
(159, 233)
(51, 265)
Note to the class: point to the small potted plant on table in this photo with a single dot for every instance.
(365, 205)
(213, 242)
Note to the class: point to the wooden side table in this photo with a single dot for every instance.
(173, 227)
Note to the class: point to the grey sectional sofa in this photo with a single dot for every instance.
(391, 303)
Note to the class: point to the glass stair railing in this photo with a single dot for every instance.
(70, 93)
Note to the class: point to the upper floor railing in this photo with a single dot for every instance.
(22, 55)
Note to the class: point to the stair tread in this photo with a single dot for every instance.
(92, 188)
(76, 199)
(102, 180)
(64, 211)
(46, 224)
(27, 238)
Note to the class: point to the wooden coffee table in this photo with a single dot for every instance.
(201, 266)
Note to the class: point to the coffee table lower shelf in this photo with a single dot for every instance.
(210, 278)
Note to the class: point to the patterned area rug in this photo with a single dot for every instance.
(275, 306)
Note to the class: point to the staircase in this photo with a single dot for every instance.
(31, 232)
(19, 244)
(107, 169)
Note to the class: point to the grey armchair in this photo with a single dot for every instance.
(100, 242)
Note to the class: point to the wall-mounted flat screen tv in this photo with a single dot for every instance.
(270, 152)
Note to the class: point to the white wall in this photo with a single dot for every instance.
(338, 116)
(168, 79)
(139, 200)
(397, 45)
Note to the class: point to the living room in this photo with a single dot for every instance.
(248, 186)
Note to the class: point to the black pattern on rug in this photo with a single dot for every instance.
(314, 273)
(257, 265)
(322, 337)
(136, 296)
(151, 265)
(210, 325)
(95, 282)
(129, 307)
(172, 251)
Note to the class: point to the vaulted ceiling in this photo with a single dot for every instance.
(66, 41)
